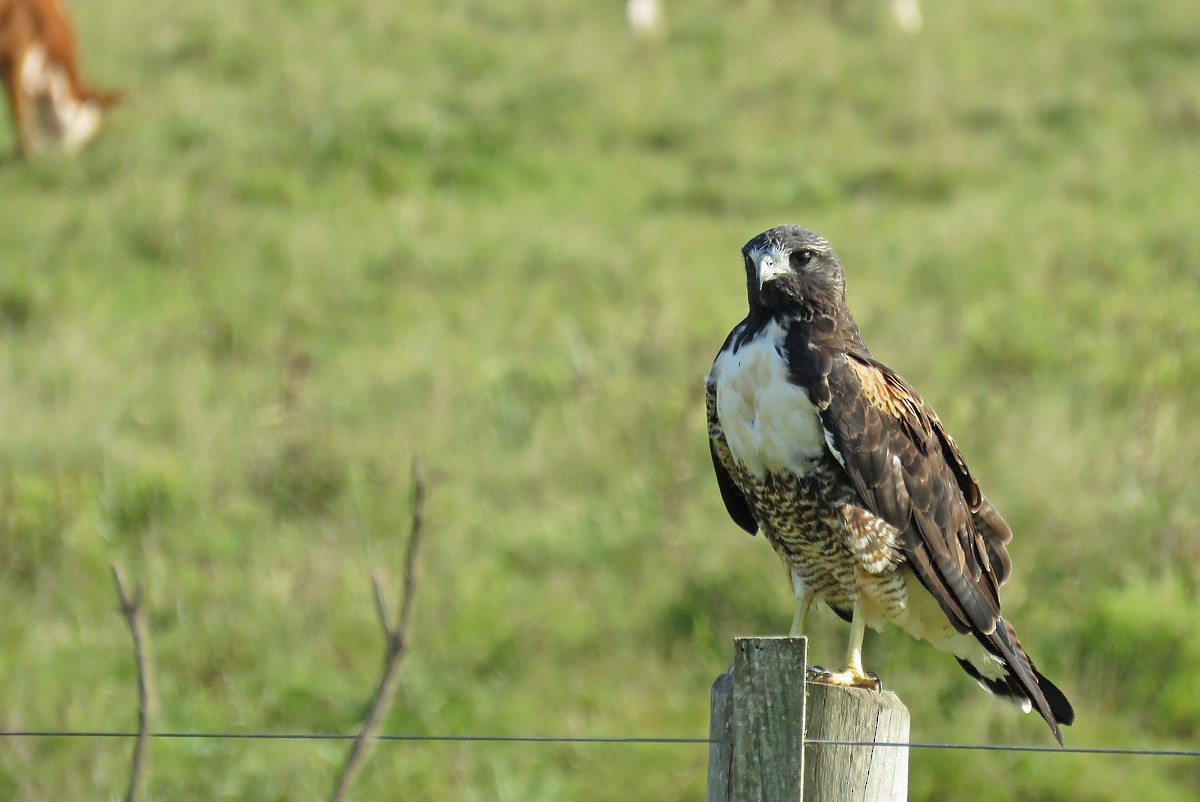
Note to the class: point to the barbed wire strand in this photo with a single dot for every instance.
(335, 736)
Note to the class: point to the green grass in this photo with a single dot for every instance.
(318, 242)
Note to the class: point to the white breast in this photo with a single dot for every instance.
(769, 423)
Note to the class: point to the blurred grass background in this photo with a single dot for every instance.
(321, 240)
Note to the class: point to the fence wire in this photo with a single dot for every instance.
(586, 739)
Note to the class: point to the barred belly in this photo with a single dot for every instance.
(835, 547)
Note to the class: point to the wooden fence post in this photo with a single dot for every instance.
(720, 735)
(859, 773)
(764, 714)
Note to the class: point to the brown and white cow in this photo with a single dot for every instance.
(52, 109)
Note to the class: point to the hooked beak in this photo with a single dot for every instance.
(768, 265)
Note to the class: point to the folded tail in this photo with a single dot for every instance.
(1022, 684)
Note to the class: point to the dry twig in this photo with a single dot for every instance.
(131, 608)
(396, 645)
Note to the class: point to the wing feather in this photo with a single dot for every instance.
(910, 472)
(735, 500)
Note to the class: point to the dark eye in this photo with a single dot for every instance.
(800, 258)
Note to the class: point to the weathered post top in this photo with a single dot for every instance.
(855, 773)
(768, 724)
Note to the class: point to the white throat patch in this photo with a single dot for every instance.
(769, 423)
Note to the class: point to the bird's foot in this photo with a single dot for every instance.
(847, 679)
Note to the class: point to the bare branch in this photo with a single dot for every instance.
(131, 609)
(414, 538)
(396, 646)
(381, 606)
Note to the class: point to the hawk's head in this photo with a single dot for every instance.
(793, 269)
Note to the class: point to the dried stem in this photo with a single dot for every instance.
(131, 609)
(381, 606)
(396, 645)
(414, 538)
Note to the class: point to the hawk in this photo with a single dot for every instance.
(854, 480)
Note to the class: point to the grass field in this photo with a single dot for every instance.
(321, 240)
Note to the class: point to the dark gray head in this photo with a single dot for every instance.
(793, 269)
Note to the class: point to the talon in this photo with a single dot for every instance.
(849, 678)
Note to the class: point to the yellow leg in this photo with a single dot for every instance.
(858, 630)
(852, 675)
(804, 603)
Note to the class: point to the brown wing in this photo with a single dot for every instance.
(996, 535)
(909, 471)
